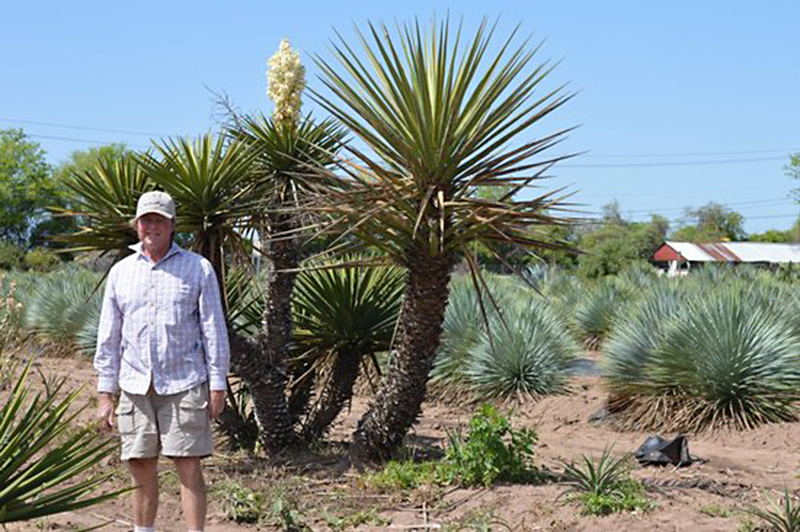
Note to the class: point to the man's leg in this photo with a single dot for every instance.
(193, 491)
(145, 497)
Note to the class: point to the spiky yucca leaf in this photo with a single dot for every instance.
(527, 354)
(42, 462)
(781, 516)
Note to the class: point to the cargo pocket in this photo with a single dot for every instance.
(125, 416)
(193, 409)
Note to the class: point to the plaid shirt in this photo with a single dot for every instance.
(161, 323)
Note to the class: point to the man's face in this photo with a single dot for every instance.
(154, 230)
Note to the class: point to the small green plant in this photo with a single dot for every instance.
(286, 512)
(241, 504)
(353, 520)
(714, 510)
(404, 475)
(604, 487)
(781, 516)
(479, 520)
(491, 451)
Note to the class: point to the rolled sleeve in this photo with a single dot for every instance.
(109, 336)
(214, 330)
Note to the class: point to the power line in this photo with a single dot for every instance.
(749, 204)
(673, 163)
(688, 154)
(84, 128)
(71, 139)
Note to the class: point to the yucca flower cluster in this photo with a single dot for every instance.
(286, 79)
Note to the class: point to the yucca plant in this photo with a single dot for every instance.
(630, 347)
(597, 309)
(603, 486)
(781, 516)
(439, 113)
(527, 354)
(44, 463)
(59, 308)
(342, 318)
(103, 200)
(290, 148)
(468, 312)
(728, 357)
(211, 182)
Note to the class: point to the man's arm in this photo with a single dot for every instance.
(106, 358)
(215, 339)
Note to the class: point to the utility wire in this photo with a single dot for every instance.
(673, 163)
(84, 128)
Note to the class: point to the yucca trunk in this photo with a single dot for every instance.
(336, 392)
(399, 397)
(269, 397)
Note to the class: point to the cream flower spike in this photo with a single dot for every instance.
(286, 79)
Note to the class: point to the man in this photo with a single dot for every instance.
(162, 340)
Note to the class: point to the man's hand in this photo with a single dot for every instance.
(105, 411)
(216, 404)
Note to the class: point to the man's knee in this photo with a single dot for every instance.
(190, 471)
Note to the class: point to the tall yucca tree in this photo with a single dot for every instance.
(103, 199)
(439, 113)
(289, 147)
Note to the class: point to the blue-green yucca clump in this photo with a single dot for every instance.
(528, 353)
(597, 309)
(464, 321)
(724, 356)
(64, 308)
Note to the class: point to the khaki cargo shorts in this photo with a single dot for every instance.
(175, 425)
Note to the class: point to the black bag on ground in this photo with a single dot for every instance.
(657, 451)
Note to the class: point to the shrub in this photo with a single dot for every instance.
(729, 356)
(10, 255)
(41, 260)
(463, 323)
(491, 451)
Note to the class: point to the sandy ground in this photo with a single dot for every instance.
(740, 469)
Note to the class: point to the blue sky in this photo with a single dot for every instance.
(679, 103)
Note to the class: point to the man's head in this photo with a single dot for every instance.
(155, 219)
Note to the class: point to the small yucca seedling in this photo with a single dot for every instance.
(782, 516)
(604, 487)
(600, 478)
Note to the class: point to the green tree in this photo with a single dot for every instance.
(26, 188)
(772, 235)
(616, 243)
(792, 170)
(439, 113)
(712, 223)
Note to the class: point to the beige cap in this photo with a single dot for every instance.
(156, 202)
